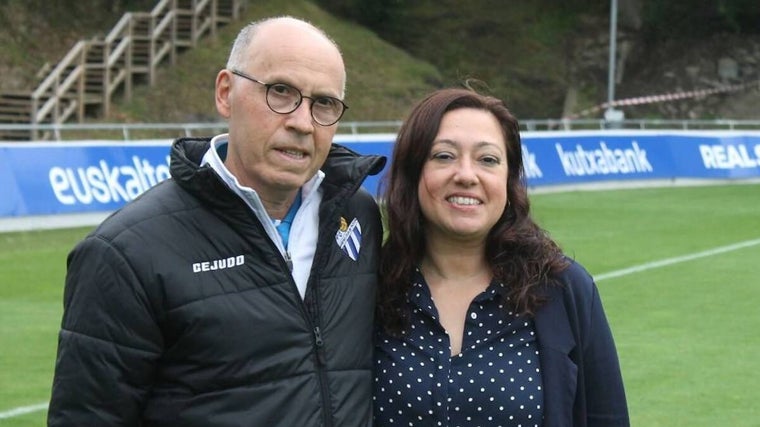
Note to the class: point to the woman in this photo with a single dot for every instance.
(481, 318)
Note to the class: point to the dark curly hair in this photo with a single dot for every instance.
(520, 253)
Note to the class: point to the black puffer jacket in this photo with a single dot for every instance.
(180, 311)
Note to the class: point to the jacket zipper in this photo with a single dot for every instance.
(319, 350)
(289, 262)
(321, 364)
(318, 344)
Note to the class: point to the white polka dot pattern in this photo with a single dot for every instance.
(494, 381)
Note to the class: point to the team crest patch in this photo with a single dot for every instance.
(349, 237)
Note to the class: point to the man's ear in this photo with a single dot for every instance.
(222, 93)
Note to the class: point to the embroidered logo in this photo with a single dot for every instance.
(349, 238)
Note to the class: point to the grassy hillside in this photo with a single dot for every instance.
(519, 53)
(531, 53)
(521, 50)
(36, 32)
(382, 80)
(446, 43)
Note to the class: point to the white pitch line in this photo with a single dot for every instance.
(21, 410)
(676, 260)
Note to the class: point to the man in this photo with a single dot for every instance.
(241, 291)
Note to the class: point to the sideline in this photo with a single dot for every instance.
(51, 222)
(676, 260)
(21, 410)
(609, 275)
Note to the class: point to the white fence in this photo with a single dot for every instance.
(131, 131)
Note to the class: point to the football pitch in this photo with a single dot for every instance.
(678, 270)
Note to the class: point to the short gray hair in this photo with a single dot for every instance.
(247, 34)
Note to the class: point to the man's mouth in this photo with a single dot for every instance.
(293, 153)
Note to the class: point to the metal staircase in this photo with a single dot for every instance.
(83, 83)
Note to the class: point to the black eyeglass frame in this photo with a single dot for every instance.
(301, 96)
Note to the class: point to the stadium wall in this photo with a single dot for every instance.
(97, 177)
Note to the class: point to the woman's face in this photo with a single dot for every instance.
(463, 185)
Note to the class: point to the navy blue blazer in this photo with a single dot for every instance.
(583, 386)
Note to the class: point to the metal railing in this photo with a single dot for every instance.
(135, 131)
(62, 132)
(639, 124)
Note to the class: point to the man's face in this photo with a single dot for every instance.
(275, 154)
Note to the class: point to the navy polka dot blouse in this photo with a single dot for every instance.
(494, 381)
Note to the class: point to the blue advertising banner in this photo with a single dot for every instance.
(39, 179)
(100, 176)
(552, 158)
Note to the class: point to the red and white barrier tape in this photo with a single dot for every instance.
(662, 98)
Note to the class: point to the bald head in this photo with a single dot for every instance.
(284, 32)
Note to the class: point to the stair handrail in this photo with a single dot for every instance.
(52, 83)
(121, 27)
(117, 47)
(209, 20)
(201, 4)
(161, 5)
(115, 52)
(162, 17)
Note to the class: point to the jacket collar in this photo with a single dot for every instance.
(344, 169)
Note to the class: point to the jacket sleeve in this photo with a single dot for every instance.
(108, 344)
(603, 384)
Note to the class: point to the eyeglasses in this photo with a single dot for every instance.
(284, 99)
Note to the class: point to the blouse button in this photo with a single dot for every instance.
(473, 315)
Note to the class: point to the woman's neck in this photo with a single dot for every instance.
(454, 260)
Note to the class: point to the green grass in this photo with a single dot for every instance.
(32, 268)
(687, 333)
(656, 222)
